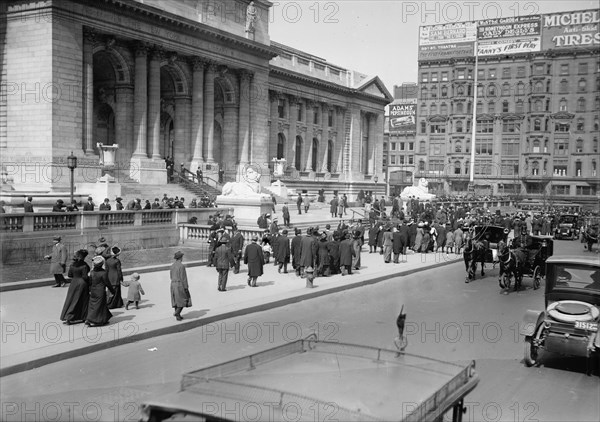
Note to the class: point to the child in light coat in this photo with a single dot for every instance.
(133, 293)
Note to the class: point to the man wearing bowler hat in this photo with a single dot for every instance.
(223, 260)
(58, 262)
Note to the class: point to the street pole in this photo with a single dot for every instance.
(474, 123)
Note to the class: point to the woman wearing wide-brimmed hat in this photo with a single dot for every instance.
(98, 313)
(75, 308)
(180, 293)
(115, 276)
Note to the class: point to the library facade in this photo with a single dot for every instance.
(198, 82)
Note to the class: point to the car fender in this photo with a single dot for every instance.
(531, 320)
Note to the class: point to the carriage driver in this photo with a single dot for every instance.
(524, 243)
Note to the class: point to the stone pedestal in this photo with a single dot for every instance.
(147, 171)
(246, 209)
(103, 188)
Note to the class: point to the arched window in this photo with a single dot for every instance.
(444, 109)
(460, 90)
(459, 127)
(422, 147)
(582, 85)
(537, 125)
(280, 146)
(444, 91)
(580, 124)
(562, 105)
(535, 168)
(596, 124)
(458, 146)
(457, 167)
(538, 87)
(315, 154)
(491, 107)
(491, 90)
(479, 108)
(538, 105)
(520, 88)
(564, 86)
(298, 155)
(421, 165)
(460, 107)
(432, 109)
(579, 145)
(536, 146)
(520, 107)
(581, 105)
(505, 89)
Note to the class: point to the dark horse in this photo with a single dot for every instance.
(590, 237)
(473, 252)
(510, 266)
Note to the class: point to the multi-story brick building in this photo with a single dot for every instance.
(537, 106)
(200, 82)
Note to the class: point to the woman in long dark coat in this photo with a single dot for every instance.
(180, 293)
(254, 259)
(323, 256)
(115, 276)
(98, 313)
(75, 308)
(346, 255)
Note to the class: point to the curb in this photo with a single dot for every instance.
(188, 325)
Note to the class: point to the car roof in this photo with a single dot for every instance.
(574, 259)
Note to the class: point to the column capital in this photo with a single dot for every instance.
(141, 49)
(311, 104)
(212, 66)
(245, 74)
(157, 53)
(339, 109)
(274, 95)
(198, 63)
(89, 34)
(294, 99)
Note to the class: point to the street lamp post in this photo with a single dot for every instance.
(72, 164)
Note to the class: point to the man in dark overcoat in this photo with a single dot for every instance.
(396, 244)
(333, 205)
(28, 205)
(334, 253)
(299, 203)
(285, 212)
(296, 251)
(237, 244)
(223, 259)
(404, 237)
(283, 251)
(105, 206)
(346, 254)
(412, 234)
(58, 261)
(89, 205)
(308, 256)
(180, 293)
(254, 258)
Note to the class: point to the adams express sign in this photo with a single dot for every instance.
(571, 30)
(403, 117)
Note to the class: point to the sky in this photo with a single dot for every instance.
(380, 37)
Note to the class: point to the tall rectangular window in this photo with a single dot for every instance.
(281, 108)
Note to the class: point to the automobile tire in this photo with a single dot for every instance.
(532, 352)
(537, 277)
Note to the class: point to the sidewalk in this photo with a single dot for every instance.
(33, 336)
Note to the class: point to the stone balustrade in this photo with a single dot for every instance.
(65, 221)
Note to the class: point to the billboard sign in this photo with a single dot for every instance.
(571, 30)
(444, 41)
(403, 117)
(517, 27)
(509, 46)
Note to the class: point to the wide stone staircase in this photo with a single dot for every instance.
(185, 190)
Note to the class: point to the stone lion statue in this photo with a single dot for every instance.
(421, 191)
(248, 186)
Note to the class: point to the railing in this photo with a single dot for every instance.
(54, 221)
(190, 177)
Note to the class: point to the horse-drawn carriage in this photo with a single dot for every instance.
(590, 233)
(481, 246)
(517, 262)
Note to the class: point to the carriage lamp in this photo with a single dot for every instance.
(72, 165)
(544, 244)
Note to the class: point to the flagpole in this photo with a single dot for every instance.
(474, 123)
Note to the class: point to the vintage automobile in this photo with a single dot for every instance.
(569, 323)
(567, 227)
(309, 380)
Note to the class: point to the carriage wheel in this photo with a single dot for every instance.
(507, 280)
(532, 355)
(537, 277)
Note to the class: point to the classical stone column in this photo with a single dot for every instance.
(274, 117)
(89, 38)
(244, 116)
(340, 140)
(324, 136)
(372, 121)
(182, 128)
(140, 105)
(197, 112)
(209, 110)
(291, 140)
(230, 154)
(378, 141)
(123, 122)
(154, 102)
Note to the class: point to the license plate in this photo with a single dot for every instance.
(584, 325)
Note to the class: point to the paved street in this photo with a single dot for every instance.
(447, 319)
